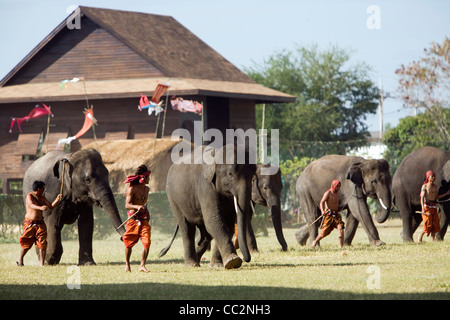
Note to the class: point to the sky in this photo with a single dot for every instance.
(384, 34)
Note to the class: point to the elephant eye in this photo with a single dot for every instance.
(88, 180)
(230, 174)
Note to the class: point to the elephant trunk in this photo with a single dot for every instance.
(386, 203)
(275, 212)
(242, 207)
(108, 203)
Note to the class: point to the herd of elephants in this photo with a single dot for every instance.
(214, 197)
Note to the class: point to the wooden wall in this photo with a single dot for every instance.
(117, 119)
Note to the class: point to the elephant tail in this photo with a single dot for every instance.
(164, 251)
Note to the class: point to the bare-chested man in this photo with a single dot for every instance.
(34, 229)
(428, 200)
(329, 206)
(138, 226)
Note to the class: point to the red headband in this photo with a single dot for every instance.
(334, 185)
(428, 175)
(141, 177)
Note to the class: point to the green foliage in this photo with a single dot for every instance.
(410, 134)
(333, 99)
(291, 170)
(12, 213)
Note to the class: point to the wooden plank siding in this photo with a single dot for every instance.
(91, 52)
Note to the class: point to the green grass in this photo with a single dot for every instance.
(407, 271)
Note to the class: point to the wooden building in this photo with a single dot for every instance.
(121, 55)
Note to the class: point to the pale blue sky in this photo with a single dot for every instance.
(247, 32)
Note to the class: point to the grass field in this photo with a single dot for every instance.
(393, 271)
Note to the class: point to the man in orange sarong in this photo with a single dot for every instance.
(34, 228)
(138, 226)
(428, 200)
(329, 206)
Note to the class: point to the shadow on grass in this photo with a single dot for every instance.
(167, 291)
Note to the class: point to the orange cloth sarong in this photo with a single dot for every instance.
(137, 227)
(34, 232)
(430, 222)
(331, 221)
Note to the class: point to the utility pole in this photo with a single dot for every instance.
(381, 110)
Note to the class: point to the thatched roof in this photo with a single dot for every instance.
(122, 157)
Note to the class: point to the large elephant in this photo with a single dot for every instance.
(266, 191)
(360, 178)
(408, 180)
(209, 196)
(86, 182)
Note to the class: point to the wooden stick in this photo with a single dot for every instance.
(316, 220)
(425, 213)
(62, 182)
(129, 218)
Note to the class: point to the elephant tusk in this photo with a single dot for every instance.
(253, 207)
(236, 207)
(382, 204)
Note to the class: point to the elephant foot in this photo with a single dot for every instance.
(377, 243)
(87, 263)
(302, 236)
(216, 264)
(191, 263)
(51, 261)
(406, 238)
(233, 261)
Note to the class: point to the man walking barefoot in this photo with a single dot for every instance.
(329, 206)
(138, 226)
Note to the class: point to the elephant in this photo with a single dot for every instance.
(360, 178)
(407, 182)
(86, 182)
(266, 191)
(210, 196)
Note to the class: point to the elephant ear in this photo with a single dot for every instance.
(355, 174)
(445, 173)
(209, 166)
(60, 165)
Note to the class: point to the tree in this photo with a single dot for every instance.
(410, 134)
(426, 83)
(333, 100)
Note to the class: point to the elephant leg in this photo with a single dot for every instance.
(415, 221)
(443, 220)
(85, 235)
(251, 239)
(203, 243)
(54, 241)
(350, 228)
(360, 211)
(314, 229)
(224, 251)
(311, 213)
(216, 258)
(187, 231)
(407, 218)
(302, 235)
